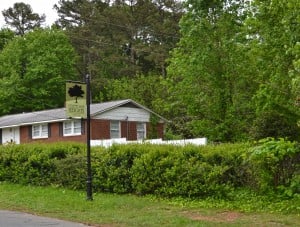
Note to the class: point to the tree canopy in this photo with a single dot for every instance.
(224, 69)
(33, 71)
(118, 39)
(21, 18)
(210, 90)
(236, 60)
(5, 36)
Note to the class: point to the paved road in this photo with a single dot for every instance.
(19, 219)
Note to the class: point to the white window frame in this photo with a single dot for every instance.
(39, 131)
(72, 128)
(115, 128)
(141, 129)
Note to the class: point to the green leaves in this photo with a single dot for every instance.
(5, 36)
(235, 61)
(33, 71)
(277, 35)
(121, 38)
(21, 18)
(269, 167)
(208, 74)
(274, 163)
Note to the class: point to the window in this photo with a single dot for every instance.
(72, 128)
(141, 130)
(40, 131)
(115, 129)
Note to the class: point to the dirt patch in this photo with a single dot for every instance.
(227, 216)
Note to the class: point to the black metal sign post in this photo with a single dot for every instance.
(89, 193)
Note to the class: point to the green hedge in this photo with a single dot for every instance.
(43, 164)
(270, 166)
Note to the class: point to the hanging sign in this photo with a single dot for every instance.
(76, 100)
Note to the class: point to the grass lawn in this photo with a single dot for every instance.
(130, 210)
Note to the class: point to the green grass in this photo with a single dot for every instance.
(130, 210)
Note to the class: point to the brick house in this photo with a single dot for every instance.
(115, 119)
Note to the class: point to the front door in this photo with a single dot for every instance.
(11, 135)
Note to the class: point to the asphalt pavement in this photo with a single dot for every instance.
(19, 219)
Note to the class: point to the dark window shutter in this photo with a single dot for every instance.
(82, 127)
(0, 136)
(49, 130)
(61, 130)
(30, 131)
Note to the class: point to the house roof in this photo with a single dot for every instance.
(55, 115)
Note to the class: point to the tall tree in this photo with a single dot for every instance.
(121, 38)
(33, 71)
(275, 34)
(21, 18)
(148, 90)
(212, 86)
(79, 19)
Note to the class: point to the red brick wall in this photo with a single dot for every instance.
(132, 131)
(25, 137)
(100, 129)
(124, 129)
(159, 128)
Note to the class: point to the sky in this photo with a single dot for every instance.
(38, 6)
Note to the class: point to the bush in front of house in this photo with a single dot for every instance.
(43, 164)
(188, 171)
(270, 166)
(112, 167)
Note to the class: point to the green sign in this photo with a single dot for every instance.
(76, 100)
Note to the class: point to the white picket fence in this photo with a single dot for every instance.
(110, 142)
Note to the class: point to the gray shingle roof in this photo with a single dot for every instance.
(55, 115)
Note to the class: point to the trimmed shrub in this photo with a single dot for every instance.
(112, 168)
(70, 172)
(36, 164)
(187, 171)
(270, 166)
